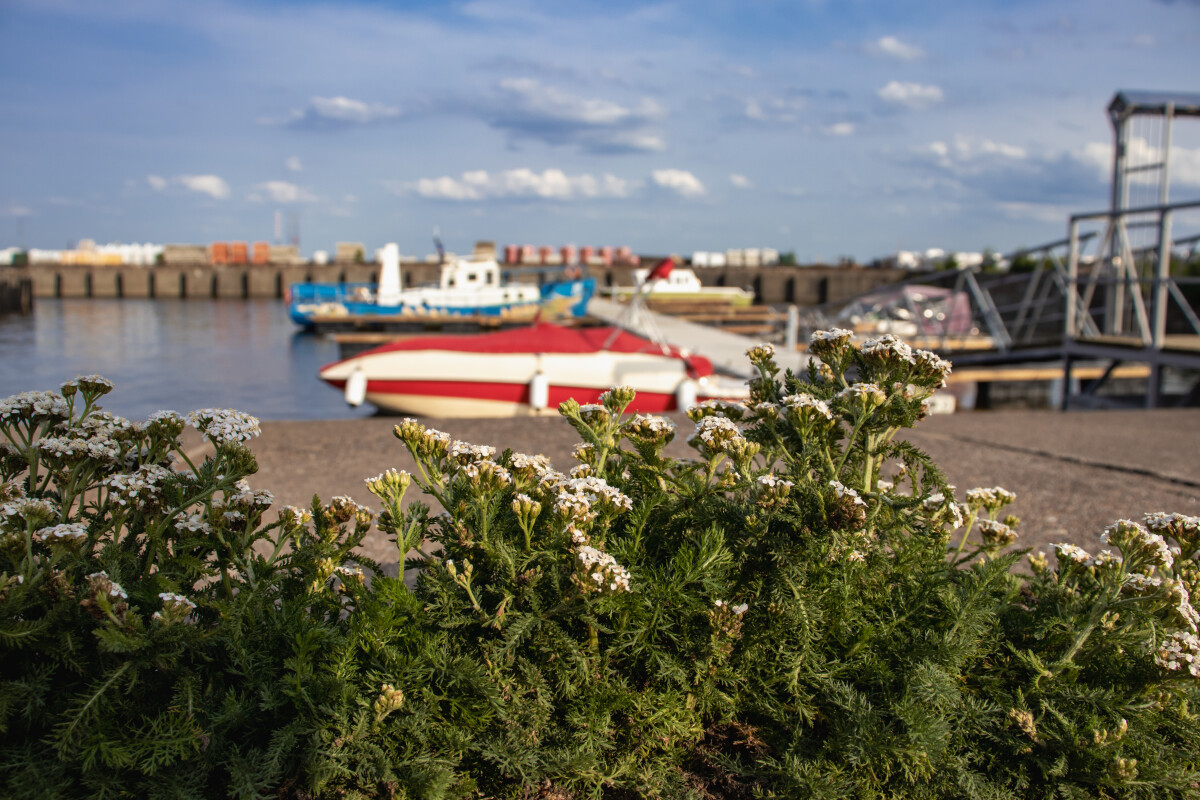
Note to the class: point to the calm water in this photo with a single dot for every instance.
(179, 355)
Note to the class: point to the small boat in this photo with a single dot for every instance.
(526, 371)
(669, 282)
(467, 288)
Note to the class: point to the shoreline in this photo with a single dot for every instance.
(1073, 474)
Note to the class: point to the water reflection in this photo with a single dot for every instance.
(176, 354)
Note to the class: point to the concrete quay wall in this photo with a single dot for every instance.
(803, 286)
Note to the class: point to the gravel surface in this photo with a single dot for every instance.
(1073, 473)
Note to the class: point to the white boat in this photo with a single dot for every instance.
(466, 287)
(526, 371)
(668, 282)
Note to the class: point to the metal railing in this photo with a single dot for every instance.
(1127, 292)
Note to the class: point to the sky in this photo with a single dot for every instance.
(827, 128)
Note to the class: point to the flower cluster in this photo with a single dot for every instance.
(1137, 544)
(862, 398)
(1180, 651)
(466, 454)
(601, 572)
(70, 533)
(996, 533)
(992, 499)
(138, 489)
(831, 346)
(846, 493)
(650, 429)
(425, 443)
(1180, 527)
(887, 352)
(717, 407)
(714, 435)
(580, 500)
(36, 407)
(225, 426)
(176, 608)
(103, 585)
(70, 450)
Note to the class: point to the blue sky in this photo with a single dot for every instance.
(826, 128)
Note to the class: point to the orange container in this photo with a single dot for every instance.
(218, 253)
(261, 253)
(237, 253)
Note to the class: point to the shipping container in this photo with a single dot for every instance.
(238, 253)
(261, 253)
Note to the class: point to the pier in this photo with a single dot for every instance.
(809, 285)
(16, 291)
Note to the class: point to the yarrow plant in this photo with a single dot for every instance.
(803, 608)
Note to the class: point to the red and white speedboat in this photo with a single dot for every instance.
(526, 371)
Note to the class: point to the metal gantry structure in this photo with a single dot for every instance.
(1105, 295)
(1127, 305)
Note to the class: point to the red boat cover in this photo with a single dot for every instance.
(548, 338)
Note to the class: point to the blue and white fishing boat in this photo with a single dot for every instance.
(468, 288)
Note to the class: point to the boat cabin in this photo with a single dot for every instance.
(470, 275)
(679, 279)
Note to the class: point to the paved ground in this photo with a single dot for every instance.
(1073, 473)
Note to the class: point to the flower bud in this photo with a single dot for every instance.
(618, 398)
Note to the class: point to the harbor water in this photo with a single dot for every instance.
(174, 354)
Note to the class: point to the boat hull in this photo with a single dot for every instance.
(309, 304)
(451, 383)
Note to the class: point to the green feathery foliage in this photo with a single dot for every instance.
(803, 609)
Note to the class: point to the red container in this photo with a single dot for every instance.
(568, 254)
(512, 254)
(237, 253)
(544, 253)
(261, 253)
(624, 255)
(528, 254)
(606, 255)
(586, 252)
(218, 253)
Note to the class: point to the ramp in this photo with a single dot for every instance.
(727, 351)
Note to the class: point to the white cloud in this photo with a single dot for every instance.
(556, 104)
(773, 109)
(911, 95)
(965, 155)
(534, 110)
(549, 184)
(17, 211)
(680, 181)
(294, 164)
(344, 109)
(283, 192)
(324, 113)
(204, 184)
(740, 181)
(157, 182)
(840, 129)
(891, 47)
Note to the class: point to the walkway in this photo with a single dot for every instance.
(727, 351)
